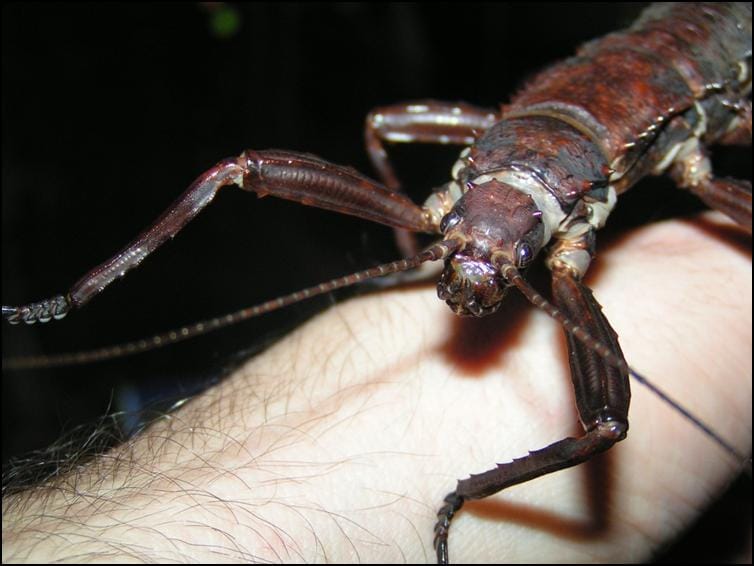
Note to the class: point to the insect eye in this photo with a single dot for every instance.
(524, 254)
(449, 220)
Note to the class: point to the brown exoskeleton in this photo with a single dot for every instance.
(483, 256)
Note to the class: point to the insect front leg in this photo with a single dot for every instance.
(292, 176)
(602, 398)
(421, 121)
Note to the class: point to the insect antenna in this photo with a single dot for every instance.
(512, 275)
(435, 252)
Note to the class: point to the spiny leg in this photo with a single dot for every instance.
(289, 175)
(602, 398)
(421, 121)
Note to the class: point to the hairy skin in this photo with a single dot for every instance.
(339, 443)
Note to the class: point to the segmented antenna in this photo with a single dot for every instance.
(512, 275)
(691, 418)
(435, 252)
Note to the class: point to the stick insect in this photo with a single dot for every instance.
(230, 147)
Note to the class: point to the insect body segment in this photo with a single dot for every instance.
(529, 179)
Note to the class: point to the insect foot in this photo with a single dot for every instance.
(43, 311)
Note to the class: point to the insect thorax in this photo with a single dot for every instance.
(560, 220)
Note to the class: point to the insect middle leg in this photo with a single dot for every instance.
(602, 399)
(693, 171)
(732, 197)
(421, 121)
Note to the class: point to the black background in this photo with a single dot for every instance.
(110, 111)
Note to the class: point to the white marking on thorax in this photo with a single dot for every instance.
(599, 211)
(744, 73)
(552, 214)
(399, 137)
(684, 148)
(555, 221)
(460, 163)
(440, 203)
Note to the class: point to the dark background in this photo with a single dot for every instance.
(110, 111)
